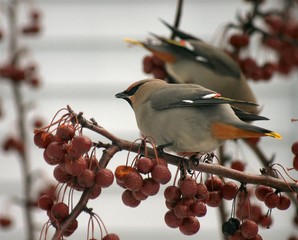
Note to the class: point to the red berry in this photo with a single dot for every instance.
(104, 177)
(81, 144)
(45, 202)
(271, 200)
(295, 162)
(55, 151)
(133, 181)
(239, 40)
(59, 211)
(181, 210)
(284, 203)
(188, 187)
(172, 194)
(5, 221)
(121, 171)
(215, 199)
(111, 236)
(199, 209)
(189, 226)
(76, 167)
(238, 165)
(295, 148)
(161, 174)
(145, 165)
(202, 192)
(229, 190)
(65, 132)
(147, 64)
(214, 183)
(94, 192)
(249, 229)
(87, 178)
(261, 192)
(150, 187)
(139, 195)
(129, 200)
(60, 174)
(172, 220)
(266, 221)
(71, 228)
(42, 139)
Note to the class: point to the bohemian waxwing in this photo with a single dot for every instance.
(187, 118)
(193, 61)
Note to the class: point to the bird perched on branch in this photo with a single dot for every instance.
(191, 60)
(188, 118)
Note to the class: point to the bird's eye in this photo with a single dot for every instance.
(133, 90)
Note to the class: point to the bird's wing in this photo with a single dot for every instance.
(246, 116)
(189, 95)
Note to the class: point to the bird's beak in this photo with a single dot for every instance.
(121, 95)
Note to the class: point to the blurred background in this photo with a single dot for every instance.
(83, 62)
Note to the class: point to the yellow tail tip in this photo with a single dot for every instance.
(274, 135)
(133, 41)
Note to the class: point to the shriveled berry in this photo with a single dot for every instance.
(189, 226)
(172, 194)
(161, 174)
(188, 187)
(150, 187)
(104, 177)
(81, 144)
(129, 200)
(133, 181)
(145, 165)
(121, 171)
(249, 229)
(172, 220)
(59, 211)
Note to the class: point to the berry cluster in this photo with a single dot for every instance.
(189, 200)
(277, 31)
(68, 149)
(143, 179)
